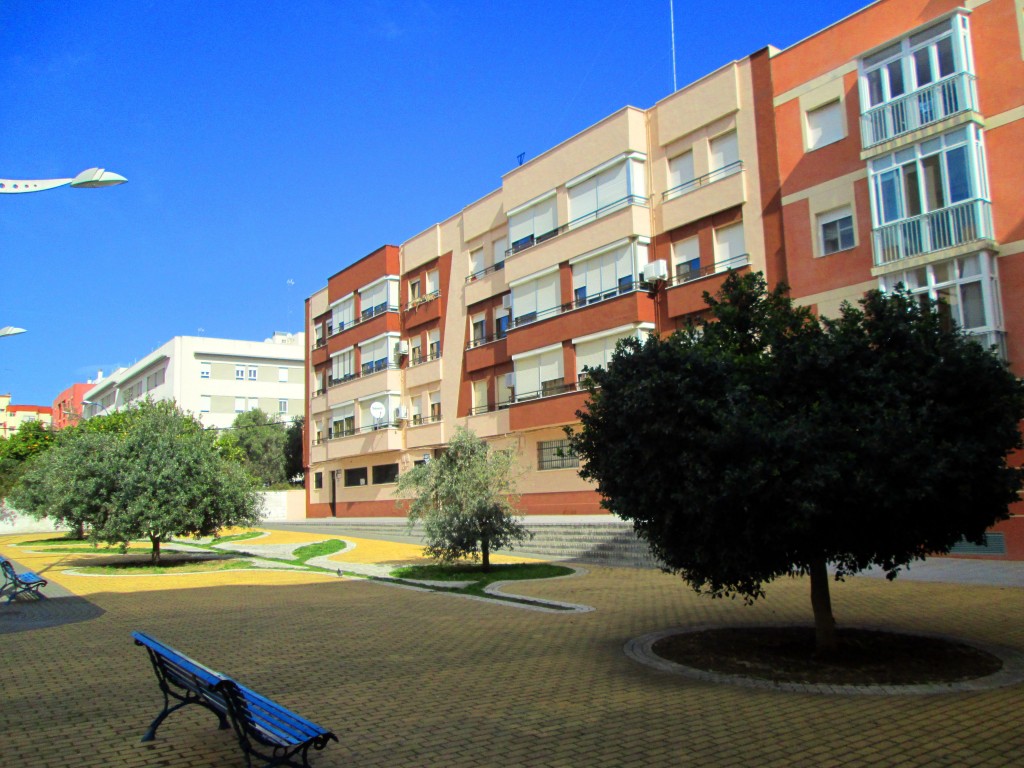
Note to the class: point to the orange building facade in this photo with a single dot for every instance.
(877, 151)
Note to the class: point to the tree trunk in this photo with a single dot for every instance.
(80, 530)
(485, 550)
(821, 602)
(155, 555)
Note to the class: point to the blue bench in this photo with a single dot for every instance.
(265, 729)
(26, 582)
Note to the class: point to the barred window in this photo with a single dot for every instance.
(556, 454)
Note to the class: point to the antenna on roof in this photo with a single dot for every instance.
(672, 19)
(520, 157)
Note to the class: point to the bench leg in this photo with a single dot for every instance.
(151, 733)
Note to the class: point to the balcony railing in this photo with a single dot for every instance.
(930, 104)
(687, 272)
(548, 389)
(319, 343)
(529, 241)
(368, 369)
(421, 359)
(421, 300)
(702, 181)
(484, 272)
(365, 315)
(532, 317)
(479, 341)
(930, 232)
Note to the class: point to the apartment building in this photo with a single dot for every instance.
(875, 152)
(13, 416)
(68, 405)
(899, 132)
(215, 379)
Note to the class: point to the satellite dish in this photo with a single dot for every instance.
(378, 411)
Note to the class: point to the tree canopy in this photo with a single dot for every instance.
(293, 465)
(262, 440)
(466, 500)
(30, 440)
(154, 474)
(767, 442)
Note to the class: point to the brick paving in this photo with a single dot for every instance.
(411, 678)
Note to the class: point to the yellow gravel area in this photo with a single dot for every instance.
(374, 551)
(55, 567)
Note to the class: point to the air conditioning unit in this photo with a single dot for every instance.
(401, 413)
(506, 301)
(656, 270)
(403, 347)
(510, 380)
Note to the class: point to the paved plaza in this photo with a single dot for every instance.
(406, 677)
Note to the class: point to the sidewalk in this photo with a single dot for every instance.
(412, 678)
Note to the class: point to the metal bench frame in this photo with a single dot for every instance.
(27, 582)
(265, 729)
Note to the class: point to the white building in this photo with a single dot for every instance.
(216, 379)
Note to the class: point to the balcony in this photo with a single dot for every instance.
(950, 96)
(702, 181)
(930, 232)
(367, 314)
(487, 271)
(625, 287)
(691, 270)
(529, 241)
(421, 300)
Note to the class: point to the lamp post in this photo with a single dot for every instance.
(88, 179)
(94, 405)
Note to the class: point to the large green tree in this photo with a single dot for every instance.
(262, 440)
(31, 439)
(466, 499)
(767, 442)
(293, 465)
(157, 474)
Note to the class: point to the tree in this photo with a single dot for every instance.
(159, 474)
(262, 440)
(767, 442)
(293, 464)
(30, 440)
(466, 500)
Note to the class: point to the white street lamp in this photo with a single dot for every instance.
(10, 330)
(89, 179)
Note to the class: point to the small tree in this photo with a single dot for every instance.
(32, 439)
(771, 443)
(158, 475)
(293, 465)
(262, 440)
(466, 500)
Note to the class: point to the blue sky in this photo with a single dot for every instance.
(268, 145)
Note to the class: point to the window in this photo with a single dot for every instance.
(825, 125)
(282, 405)
(342, 366)
(434, 344)
(239, 373)
(385, 473)
(966, 286)
(435, 406)
(415, 291)
(594, 353)
(433, 282)
(602, 193)
(480, 404)
(836, 230)
(686, 258)
(342, 421)
(342, 314)
(416, 411)
(479, 328)
(204, 403)
(539, 374)
(556, 454)
(387, 401)
(730, 250)
(725, 151)
(354, 477)
(498, 249)
(378, 297)
(375, 354)
(603, 275)
(318, 480)
(282, 375)
(252, 373)
(318, 333)
(680, 170)
(253, 404)
(501, 319)
(941, 174)
(239, 405)
(204, 370)
(503, 390)
(536, 297)
(415, 350)
(533, 224)
(476, 261)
